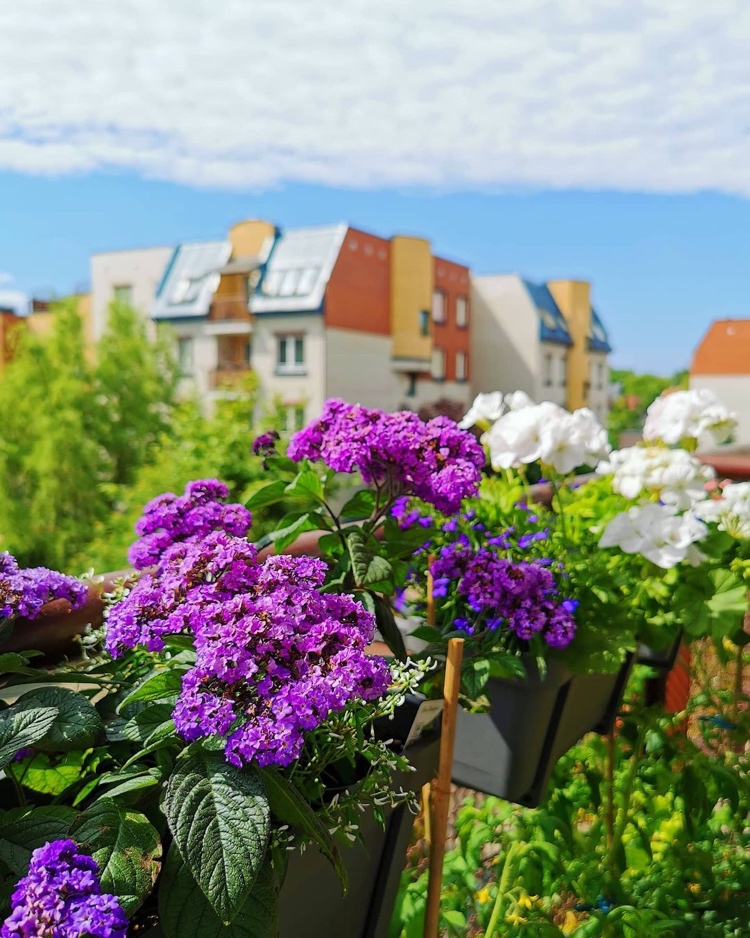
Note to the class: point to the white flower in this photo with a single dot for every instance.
(517, 400)
(517, 436)
(697, 414)
(731, 511)
(657, 532)
(672, 475)
(485, 410)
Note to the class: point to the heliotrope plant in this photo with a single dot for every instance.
(233, 715)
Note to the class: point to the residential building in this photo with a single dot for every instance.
(721, 363)
(519, 339)
(316, 312)
(10, 323)
(588, 367)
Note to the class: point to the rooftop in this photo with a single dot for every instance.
(724, 349)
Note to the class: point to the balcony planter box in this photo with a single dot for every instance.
(511, 751)
(662, 659)
(311, 903)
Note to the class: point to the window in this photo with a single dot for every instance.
(600, 375)
(438, 306)
(185, 355)
(462, 312)
(289, 283)
(547, 372)
(292, 417)
(307, 280)
(438, 364)
(563, 370)
(123, 293)
(186, 290)
(424, 322)
(290, 354)
(411, 388)
(461, 366)
(272, 282)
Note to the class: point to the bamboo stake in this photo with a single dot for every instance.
(430, 593)
(441, 788)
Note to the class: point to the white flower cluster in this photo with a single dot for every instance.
(524, 432)
(657, 532)
(673, 476)
(689, 415)
(731, 511)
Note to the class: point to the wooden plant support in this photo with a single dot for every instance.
(441, 787)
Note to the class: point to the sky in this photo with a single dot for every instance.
(594, 139)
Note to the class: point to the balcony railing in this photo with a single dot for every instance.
(231, 306)
(228, 375)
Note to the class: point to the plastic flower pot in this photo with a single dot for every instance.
(662, 659)
(511, 751)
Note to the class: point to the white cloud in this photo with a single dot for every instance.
(14, 299)
(646, 95)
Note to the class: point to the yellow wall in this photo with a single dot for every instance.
(248, 237)
(574, 299)
(411, 292)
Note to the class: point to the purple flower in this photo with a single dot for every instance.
(171, 519)
(265, 444)
(60, 897)
(24, 592)
(435, 461)
(274, 655)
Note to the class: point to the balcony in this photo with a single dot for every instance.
(229, 376)
(229, 307)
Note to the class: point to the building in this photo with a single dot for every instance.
(544, 339)
(721, 363)
(314, 312)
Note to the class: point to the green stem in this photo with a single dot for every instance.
(623, 815)
(513, 851)
(609, 817)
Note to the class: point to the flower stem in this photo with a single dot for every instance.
(513, 851)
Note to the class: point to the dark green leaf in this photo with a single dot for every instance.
(151, 724)
(387, 627)
(290, 807)
(474, 676)
(164, 685)
(361, 505)
(24, 829)
(77, 724)
(10, 663)
(268, 495)
(20, 728)
(184, 911)
(367, 566)
(127, 848)
(135, 783)
(220, 819)
(280, 464)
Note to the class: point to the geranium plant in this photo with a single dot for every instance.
(228, 715)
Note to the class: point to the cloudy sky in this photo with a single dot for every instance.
(117, 107)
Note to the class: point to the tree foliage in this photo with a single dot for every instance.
(636, 393)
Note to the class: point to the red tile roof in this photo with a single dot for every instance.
(724, 349)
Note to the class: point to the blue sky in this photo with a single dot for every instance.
(589, 138)
(661, 266)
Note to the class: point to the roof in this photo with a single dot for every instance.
(190, 280)
(598, 340)
(552, 324)
(298, 269)
(724, 349)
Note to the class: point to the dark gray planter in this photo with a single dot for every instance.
(511, 751)
(662, 659)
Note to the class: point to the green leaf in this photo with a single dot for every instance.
(268, 495)
(49, 773)
(22, 728)
(368, 567)
(455, 919)
(280, 464)
(386, 622)
(361, 505)
(77, 724)
(286, 535)
(184, 911)
(306, 485)
(474, 676)
(24, 829)
(135, 783)
(150, 725)
(11, 663)
(164, 685)
(290, 807)
(127, 848)
(220, 819)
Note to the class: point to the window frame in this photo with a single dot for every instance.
(122, 286)
(438, 352)
(462, 320)
(186, 342)
(462, 373)
(292, 343)
(443, 318)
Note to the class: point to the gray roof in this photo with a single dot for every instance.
(190, 280)
(298, 269)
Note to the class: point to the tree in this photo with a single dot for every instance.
(637, 393)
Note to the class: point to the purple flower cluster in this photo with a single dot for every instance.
(60, 897)
(499, 593)
(24, 592)
(170, 519)
(275, 656)
(435, 461)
